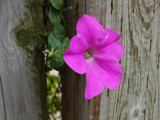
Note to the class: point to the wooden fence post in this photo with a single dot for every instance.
(74, 105)
(138, 96)
(22, 83)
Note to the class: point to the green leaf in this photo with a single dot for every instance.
(51, 54)
(58, 54)
(44, 38)
(54, 16)
(53, 42)
(65, 44)
(57, 61)
(59, 31)
(58, 4)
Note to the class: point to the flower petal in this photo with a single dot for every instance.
(95, 80)
(102, 72)
(113, 71)
(77, 45)
(76, 62)
(113, 51)
(109, 36)
(87, 28)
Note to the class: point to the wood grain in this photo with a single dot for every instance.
(138, 97)
(138, 22)
(20, 83)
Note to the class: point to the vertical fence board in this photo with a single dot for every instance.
(73, 85)
(21, 91)
(138, 24)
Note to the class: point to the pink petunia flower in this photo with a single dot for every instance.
(95, 51)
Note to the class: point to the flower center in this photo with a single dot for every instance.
(88, 54)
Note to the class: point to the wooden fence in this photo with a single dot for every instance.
(137, 98)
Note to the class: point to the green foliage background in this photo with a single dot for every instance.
(54, 95)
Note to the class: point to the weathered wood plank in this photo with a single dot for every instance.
(21, 79)
(138, 23)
